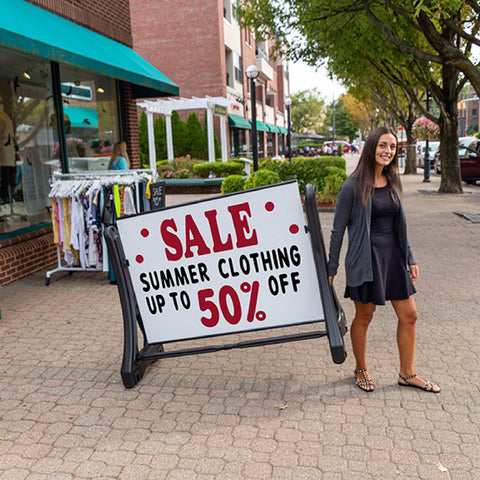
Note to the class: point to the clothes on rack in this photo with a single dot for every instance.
(81, 205)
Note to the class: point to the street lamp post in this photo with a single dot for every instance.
(252, 73)
(288, 103)
(426, 160)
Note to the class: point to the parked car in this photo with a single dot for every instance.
(469, 155)
(433, 147)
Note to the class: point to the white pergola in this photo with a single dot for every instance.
(166, 107)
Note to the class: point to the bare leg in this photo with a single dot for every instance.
(358, 335)
(406, 311)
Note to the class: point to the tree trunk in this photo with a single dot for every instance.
(411, 161)
(451, 181)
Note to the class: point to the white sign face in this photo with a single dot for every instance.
(226, 265)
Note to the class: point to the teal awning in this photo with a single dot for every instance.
(30, 29)
(81, 117)
(283, 130)
(273, 128)
(260, 126)
(236, 121)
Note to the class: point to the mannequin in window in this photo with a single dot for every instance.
(7, 154)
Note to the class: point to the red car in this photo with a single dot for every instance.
(469, 155)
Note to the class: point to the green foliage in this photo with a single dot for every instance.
(159, 131)
(307, 111)
(143, 140)
(233, 183)
(179, 134)
(194, 136)
(218, 169)
(305, 169)
(261, 178)
(345, 123)
(472, 129)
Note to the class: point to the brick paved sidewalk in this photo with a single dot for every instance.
(276, 412)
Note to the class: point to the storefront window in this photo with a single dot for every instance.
(238, 142)
(91, 119)
(26, 141)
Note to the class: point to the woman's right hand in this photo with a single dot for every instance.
(330, 279)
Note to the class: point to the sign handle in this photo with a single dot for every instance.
(133, 367)
(335, 318)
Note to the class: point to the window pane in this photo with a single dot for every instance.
(27, 139)
(91, 119)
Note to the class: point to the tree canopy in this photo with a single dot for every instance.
(394, 49)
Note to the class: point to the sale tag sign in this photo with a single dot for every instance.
(229, 264)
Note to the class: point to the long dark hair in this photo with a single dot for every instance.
(365, 170)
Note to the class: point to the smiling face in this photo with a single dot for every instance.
(385, 151)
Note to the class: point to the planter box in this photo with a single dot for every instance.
(192, 185)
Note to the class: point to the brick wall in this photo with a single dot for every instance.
(131, 124)
(26, 254)
(184, 40)
(108, 17)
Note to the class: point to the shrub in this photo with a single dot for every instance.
(305, 169)
(262, 177)
(332, 183)
(218, 169)
(233, 183)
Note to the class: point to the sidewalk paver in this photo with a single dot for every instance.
(276, 412)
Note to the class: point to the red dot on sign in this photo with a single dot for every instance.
(269, 206)
(139, 259)
(144, 232)
(294, 228)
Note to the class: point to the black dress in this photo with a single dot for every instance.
(391, 280)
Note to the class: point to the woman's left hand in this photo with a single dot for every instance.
(414, 272)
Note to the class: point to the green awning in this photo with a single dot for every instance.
(30, 29)
(283, 130)
(260, 126)
(81, 117)
(273, 128)
(236, 121)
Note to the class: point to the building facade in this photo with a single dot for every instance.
(69, 80)
(201, 47)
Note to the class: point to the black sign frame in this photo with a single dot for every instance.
(135, 361)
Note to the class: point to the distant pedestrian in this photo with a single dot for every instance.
(119, 159)
(379, 263)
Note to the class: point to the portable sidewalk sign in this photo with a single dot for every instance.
(226, 265)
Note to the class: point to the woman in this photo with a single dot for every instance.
(379, 263)
(119, 160)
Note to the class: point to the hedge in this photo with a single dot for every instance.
(305, 169)
(219, 169)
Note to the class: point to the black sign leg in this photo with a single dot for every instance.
(132, 367)
(335, 319)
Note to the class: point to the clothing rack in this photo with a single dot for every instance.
(64, 184)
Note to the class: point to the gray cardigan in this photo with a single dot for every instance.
(350, 212)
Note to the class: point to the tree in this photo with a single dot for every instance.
(307, 111)
(345, 124)
(388, 37)
(179, 135)
(160, 132)
(194, 136)
(143, 140)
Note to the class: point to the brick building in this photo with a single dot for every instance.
(68, 77)
(201, 47)
(468, 111)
